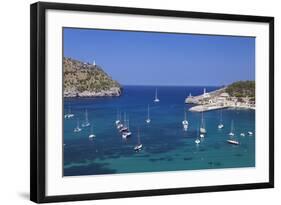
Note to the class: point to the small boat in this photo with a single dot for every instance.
(202, 135)
(185, 122)
(148, 117)
(185, 127)
(86, 123)
(202, 128)
(242, 134)
(250, 133)
(92, 136)
(117, 121)
(197, 141)
(77, 128)
(122, 126)
(138, 147)
(126, 133)
(156, 99)
(231, 133)
(231, 140)
(235, 142)
(119, 126)
(69, 115)
(220, 126)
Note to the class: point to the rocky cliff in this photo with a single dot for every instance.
(87, 80)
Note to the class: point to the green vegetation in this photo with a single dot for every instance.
(80, 77)
(242, 89)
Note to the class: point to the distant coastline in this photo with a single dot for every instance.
(237, 95)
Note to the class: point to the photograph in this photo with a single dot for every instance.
(142, 101)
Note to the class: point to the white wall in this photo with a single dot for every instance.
(14, 109)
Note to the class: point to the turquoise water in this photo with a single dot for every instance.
(166, 146)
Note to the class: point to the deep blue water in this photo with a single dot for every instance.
(166, 147)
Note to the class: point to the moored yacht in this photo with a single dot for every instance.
(220, 125)
(148, 117)
(127, 133)
(92, 135)
(156, 99)
(69, 115)
(86, 123)
(138, 147)
(231, 139)
(77, 128)
(250, 133)
(202, 127)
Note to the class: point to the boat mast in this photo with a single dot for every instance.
(202, 120)
(139, 136)
(148, 111)
(86, 116)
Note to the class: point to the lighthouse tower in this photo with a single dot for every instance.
(94, 63)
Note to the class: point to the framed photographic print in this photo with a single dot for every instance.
(129, 102)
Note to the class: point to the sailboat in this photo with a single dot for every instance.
(231, 133)
(231, 140)
(220, 126)
(127, 133)
(117, 121)
(91, 136)
(138, 147)
(86, 123)
(156, 97)
(250, 133)
(148, 117)
(123, 128)
(185, 122)
(197, 141)
(202, 128)
(77, 128)
(69, 115)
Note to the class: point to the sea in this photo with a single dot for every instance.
(166, 145)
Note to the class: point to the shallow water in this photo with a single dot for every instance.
(166, 147)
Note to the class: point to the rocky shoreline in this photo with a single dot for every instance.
(112, 92)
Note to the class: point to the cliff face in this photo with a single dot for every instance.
(86, 80)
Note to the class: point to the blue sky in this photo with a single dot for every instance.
(148, 58)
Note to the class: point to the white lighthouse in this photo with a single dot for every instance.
(94, 63)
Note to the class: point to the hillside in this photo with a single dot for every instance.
(241, 89)
(86, 80)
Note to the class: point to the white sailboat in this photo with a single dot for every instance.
(77, 128)
(92, 135)
(231, 140)
(124, 128)
(185, 122)
(69, 115)
(197, 141)
(231, 133)
(127, 133)
(156, 99)
(250, 133)
(148, 117)
(202, 127)
(117, 121)
(86, 123)
(138, 147)
(220, 126)
(242, 134)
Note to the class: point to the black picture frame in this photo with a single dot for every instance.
(38, 101)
